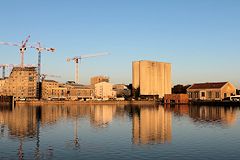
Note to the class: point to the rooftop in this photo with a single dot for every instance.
(208, 85)
(24, 69)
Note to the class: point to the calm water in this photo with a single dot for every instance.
(119, 132)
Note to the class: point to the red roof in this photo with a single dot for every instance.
(214, 85)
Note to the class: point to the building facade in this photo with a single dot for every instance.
(2, 82)
(54, 90)
(104, 90)
(47, 86)
(81, 93)
(21, 83)
(211, 91)
(151, 78)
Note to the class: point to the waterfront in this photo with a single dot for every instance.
(119, 132)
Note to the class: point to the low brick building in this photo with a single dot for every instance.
(47, 86)
(211, 91)
(176, 98)
(80, 93)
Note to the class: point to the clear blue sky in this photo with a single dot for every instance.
(201, 38)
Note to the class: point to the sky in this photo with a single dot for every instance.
(201, 38)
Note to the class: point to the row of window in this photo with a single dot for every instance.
(208, 94)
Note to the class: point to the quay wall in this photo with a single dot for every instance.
(86, 102)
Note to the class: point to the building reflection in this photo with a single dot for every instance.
(102, 115)
(24, 121)
(151, 125)
(216, 115)
(213, 115)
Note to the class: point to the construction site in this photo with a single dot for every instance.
(26, 82)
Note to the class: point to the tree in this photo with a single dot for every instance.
(178, 89)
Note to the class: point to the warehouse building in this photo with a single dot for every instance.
(211, 91)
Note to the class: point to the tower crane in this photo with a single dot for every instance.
(22, 48)
(78, 58)
(40, 49)
(43, 76)
(3, 66)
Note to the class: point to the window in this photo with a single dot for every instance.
(209, 94)
(225, 95)
(30, 78)
(217, 95)
(196, 95)
(203, 94)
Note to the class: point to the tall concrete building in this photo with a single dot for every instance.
(22, 83)
(151, 78)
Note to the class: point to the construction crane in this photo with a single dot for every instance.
(78, 58)
(4, 66)
(47, 75)
(40, 49)
(22, 49)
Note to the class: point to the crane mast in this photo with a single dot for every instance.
(22, 49)
(78, 58)
(40, 49)
(4, 66)
(76, 71)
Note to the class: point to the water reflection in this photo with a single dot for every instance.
(150, 124)
(224, 116)
(207, 115)
(102, 115)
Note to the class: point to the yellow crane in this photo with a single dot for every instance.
(79, 58)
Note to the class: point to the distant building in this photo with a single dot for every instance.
(104, 90)
(121, 90)
(47, 86)
(80, 92)
(59, 93)
(21, 83)
(151, 78)
(98, 79)
(54, 90)
(211, 91)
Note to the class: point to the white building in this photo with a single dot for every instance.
(104, 90)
